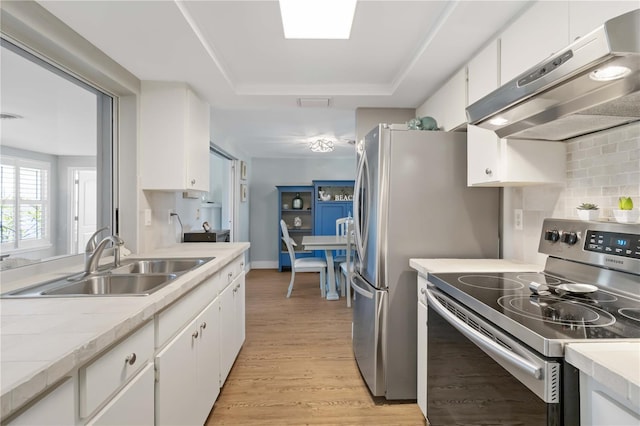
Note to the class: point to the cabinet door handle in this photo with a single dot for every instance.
(487, 171)
(195, 334)
(230, 274)
(203, 325)
(193, 181)
(131, 358)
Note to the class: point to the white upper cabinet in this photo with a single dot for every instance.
(540, 32)
(492, 161)
(448, 104)
(484, 72)
(174, 138)
(586, 16)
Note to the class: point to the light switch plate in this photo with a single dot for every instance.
(518, 220)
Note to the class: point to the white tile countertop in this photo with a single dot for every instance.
(614, 364)
(45, 339)
(425, 266)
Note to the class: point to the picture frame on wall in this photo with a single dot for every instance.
(243, 170)
(243, 192)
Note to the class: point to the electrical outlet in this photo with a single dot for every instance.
(147, 217)
(197, 214)
(518, 220)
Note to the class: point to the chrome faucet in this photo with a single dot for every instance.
(92, 242)
(93, 259)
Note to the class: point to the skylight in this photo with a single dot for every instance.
(317, 19)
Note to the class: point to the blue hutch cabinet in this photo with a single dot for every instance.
(322, 203)
(286, 194)
(333, 200)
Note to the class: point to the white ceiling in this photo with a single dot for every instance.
(234, 55)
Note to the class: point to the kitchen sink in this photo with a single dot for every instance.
(135, 277)
(165, 266)
(106, 285)
(98, 285)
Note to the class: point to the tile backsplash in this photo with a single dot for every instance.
(600, 168)
(603, 167)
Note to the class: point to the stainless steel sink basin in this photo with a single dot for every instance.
(98, 285)
(136, 277)
(110, 285)
(165, 266)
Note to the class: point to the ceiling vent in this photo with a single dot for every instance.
(313, 102)
(9, 116)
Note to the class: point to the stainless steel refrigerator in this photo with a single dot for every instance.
(411, 201)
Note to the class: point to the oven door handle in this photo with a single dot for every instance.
(482, 341)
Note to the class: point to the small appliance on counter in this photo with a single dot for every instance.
(211, 236)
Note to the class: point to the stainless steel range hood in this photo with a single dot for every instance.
(572, 93)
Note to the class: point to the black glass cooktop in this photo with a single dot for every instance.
(505, 299)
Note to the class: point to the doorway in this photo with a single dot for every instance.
(84, 182)
(221, 199)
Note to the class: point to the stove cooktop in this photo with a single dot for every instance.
(544, 322)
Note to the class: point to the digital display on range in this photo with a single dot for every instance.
(613, 243)
(619, 242)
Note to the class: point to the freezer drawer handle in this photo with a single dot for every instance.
(360, 290)
(482, 341)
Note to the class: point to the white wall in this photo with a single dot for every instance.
(263, 197)
(600, 168)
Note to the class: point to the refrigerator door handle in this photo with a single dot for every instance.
(360, 290)
(356, 206)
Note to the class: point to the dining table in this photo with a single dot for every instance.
(328, 243)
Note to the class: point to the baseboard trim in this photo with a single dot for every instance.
(264, 264)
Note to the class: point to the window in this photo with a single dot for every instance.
(62, 124)
(24, 219)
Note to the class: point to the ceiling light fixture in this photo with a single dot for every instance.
(317, 19)
(322, 145)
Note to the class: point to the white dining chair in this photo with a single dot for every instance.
(303, 264)
(342, 225)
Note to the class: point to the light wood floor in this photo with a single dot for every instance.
(297, 366)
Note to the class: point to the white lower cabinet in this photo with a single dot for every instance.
(57, 408)
(422, 358)
(133, 405)
(599, 405)
(232, 324)
(187, 372)
(103, 376)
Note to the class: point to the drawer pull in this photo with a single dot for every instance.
(195, 334)
(203, 325)
(131, 358)
(230, 274)
(488, 171)
(193, 181)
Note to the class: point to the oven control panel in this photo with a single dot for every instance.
(607, 244)
(614, 243)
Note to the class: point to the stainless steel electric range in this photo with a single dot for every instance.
(496, 340)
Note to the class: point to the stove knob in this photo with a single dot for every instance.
(552, 236)
(570, 238)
